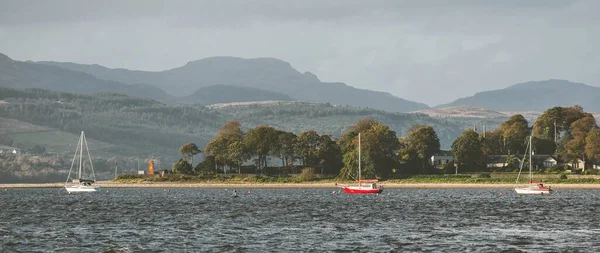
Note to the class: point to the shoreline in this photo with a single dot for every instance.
(108, 184)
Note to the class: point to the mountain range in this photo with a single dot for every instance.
(231, 79)
(260, 73)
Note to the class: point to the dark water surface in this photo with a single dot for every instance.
(306, 220)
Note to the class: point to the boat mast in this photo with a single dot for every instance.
(80, 152)
(359, 157)
(530, 160)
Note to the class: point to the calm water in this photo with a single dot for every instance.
(307, 220)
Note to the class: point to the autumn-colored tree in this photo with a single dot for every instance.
(575, 147)
(467, 150)
(592, 145)
(188, 151)
(227, 148)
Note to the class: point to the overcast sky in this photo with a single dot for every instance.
(425, 51)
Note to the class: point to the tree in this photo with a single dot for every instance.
(493, 143)
(236, 154)
(259, 141)
(329, 155)
(227, 148)
(575, 147)
(467, 150)
(379, 150)
(188, 151)
(514, 132)
(218, 149)
(286, 143)
(423, 140)
(592, 145)
(183, 167)
(307, 148)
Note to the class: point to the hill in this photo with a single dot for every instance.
(17, 74)
(261, 73)
(534, 96)
(137, 126)
(217, 94)
(463, 112)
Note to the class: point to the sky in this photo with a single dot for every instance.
(426, 51)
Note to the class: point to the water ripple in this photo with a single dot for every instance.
(292, 220)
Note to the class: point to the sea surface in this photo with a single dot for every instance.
(298, 220)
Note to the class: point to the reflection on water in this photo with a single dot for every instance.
(284, 220)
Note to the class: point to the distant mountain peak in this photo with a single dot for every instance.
(4, 57)
(534, 96)
(547, 84)
(232, 59)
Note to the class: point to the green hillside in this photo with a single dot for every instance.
(137, 126)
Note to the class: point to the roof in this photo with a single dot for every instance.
(444, 153)
(504, 158)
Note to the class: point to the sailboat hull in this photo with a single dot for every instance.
(532, 191)
(81, 189)
(361, 190)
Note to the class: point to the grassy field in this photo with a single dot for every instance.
(58, 142)
(9, 126)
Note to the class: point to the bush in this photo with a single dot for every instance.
(307, 174)
(563, 176)
(592, 172)
(483, 175)
(449, 168)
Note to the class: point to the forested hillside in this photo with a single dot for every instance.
(147, 126)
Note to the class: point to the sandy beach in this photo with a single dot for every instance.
(109, 184)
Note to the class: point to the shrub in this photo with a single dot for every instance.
(483, 175)
(307, 174)
(563, 176)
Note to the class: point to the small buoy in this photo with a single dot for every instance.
(333, 192)
(249, 192)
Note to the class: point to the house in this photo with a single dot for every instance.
(497, 161)
(539, 161)
(441, 158)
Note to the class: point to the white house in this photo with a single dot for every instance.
(441, 158)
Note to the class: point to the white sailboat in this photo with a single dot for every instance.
(534, 187)
(82, 184)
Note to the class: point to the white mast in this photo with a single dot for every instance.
(80, 153)
(359, 157)
(530, 160)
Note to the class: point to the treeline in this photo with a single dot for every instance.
(383, 154)
(567, 133)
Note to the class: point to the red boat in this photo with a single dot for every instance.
(364, 187)
(368, 186)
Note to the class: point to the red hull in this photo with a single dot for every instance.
(362, 191)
